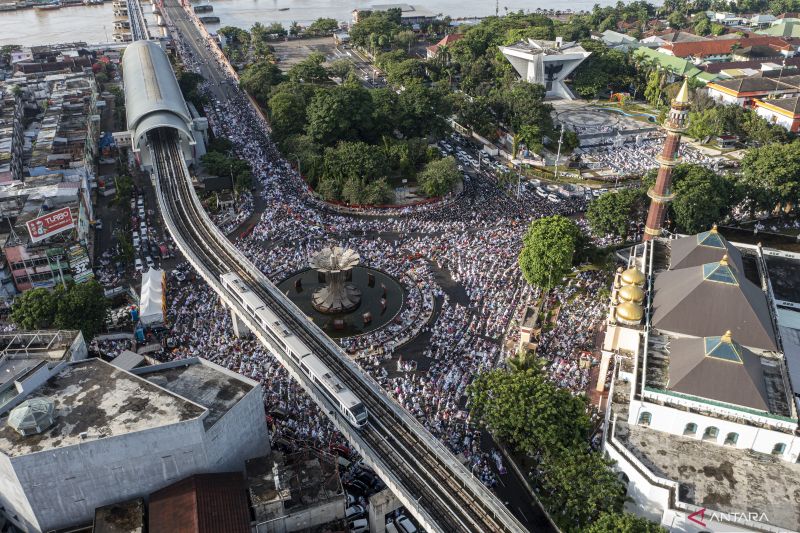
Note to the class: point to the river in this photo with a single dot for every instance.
(93, 24)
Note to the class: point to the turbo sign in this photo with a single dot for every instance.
(50, 224)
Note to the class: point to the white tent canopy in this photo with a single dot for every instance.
(151, 303)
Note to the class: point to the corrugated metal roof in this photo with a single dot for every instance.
(203, 503)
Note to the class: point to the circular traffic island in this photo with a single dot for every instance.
(380, 299)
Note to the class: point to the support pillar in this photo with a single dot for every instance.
(380, 505)
(601, 377)
(240, 329)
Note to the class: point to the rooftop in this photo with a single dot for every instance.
(304, 479)
(95, 399)
(200, 383)
(729, 480)
(123, 517)
(203, 503)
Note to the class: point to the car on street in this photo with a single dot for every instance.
(138, 265)
(150, 262)
(359, 526)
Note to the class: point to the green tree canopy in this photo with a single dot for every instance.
(623, 523)
(34, 309)
(79, 306)
(702, 198)
(771, 175)
(548, 250)
(309, 70)
(259, 78)
(578, 486)
(528, 411)
(613, 211)
(341, 113)
(439, 177)
(323, 26)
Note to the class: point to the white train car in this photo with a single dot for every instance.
(279, 335)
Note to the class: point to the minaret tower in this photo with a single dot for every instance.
(661, 193)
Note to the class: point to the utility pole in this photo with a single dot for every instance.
(496, 8)
(558, 154)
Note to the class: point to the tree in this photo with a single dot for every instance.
(309, 70)
(528, 411)
(341, 113)
(613, 211)
(294, 29)
(439, 177)
(771, 175)
(323, 26)
(548, 250)
(34, 309)
(403, 72)
(703, 26)
(341, 68)
(378, 192)
(578, 486)
(404, 39)
(259, 78)
(676, 20)
(702, 198)
(81, 306)
(623, 523)
(287, 112)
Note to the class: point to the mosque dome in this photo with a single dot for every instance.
(630, 312)
(631, 293)
(633, 276)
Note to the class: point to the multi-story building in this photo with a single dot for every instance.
(546, 62)
(84, 434)
(703, 415)
(11, 137)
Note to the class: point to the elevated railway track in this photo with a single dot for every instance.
(432, 484)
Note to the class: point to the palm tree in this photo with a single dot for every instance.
(524, 361)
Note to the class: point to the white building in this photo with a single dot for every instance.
(547, 63)
(703, 416)
(85, 434)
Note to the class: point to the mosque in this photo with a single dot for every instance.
(703, 346)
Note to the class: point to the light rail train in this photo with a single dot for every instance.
(282, 338)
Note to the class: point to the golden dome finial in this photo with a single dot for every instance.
(724, 260)
(714, 229)
(683, 94)
(728, 337)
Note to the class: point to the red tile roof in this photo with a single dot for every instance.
(723, 46)
(447, 40)
(203, 503)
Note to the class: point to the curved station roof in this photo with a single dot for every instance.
(153, 98)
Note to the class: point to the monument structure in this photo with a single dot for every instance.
(337, 296)
(661, 193)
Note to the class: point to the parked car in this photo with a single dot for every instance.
(359, 526)
(404, 524)
(138, 265)
(150, 262)
(356, 487)
(354, 511)
(98, 224)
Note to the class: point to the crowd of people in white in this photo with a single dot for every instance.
(464, 297)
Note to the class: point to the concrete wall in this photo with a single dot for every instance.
(317, 515)
(64, 486)
(12, 497)
(239, 435)
(674, 421)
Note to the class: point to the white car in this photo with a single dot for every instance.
(150, 262)
(553, 198)
(404, 524)
(138, 264)
(354, 511)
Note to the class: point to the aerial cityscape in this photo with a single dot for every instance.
(319, 266)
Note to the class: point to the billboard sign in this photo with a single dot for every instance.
(50, 224)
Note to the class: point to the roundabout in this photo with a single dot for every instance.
(381, 300)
